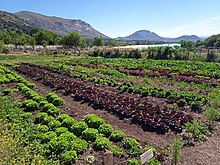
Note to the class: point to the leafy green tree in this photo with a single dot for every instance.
(73, 40)
(44, 38)
(98, 41)
(210, 41)
(187, 44)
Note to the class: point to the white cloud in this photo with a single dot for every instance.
(199, 27)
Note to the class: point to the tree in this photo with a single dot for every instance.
(44, 38)
(73, 40)
(98, 41)
(210, 41)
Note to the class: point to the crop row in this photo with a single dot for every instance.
(64, 137)
(152, 116)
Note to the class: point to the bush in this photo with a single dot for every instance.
(211, 57)
(130, 143)
(90, 134)
(69, 157)
(58, 101)
(54, 124)
(38, 98)
(117, 135)
(105, 129)
(101, 143)
(78, 127)
(93, 121)
(61, 117)
(30, 105)
(79, 145)
(7, 91)
(40, 117)
(42, 104)
(42, 128)
(53, 111)
(61, 130)
(68, 122)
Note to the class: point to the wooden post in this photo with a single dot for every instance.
(108, 158)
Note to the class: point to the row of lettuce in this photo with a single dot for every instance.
(62, 137)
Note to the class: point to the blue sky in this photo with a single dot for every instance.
(168, 18)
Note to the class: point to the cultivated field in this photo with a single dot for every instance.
(66, 110)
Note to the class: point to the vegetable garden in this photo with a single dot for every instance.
(161, 99)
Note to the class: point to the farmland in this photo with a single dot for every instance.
(77, 108)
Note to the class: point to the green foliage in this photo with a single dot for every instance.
(69, 157)
(101, 143)
(105, 129)
(54, 99)
(133, 162)
(115, 150)
(50, 109)
(78, 127)
(98, 41)
(130, 143)
(211, 57)
(27, 116)
(54, 124)
(196, 106)
(48, 136)
(199, 132)
(117, 135)
(212, 114)
(90, 134)
(61, 130)
(93, 121)
(62, 117)
(73, 40)
(47, 119)
(42, 128)
(68, 122)
(181, 103)
(68, 136)
(7, 91)
(79, 145)
(40, 117)
(30, 105)
(176, 147)
(153, 161)
(58, 144)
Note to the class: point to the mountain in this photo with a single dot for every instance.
(9, 21)
(146, 35)
(59, 25)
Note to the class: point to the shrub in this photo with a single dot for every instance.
(90, 134)
(68, 136)
(78, 127)
(54, 124)
(42, 128)
(48, 136)
(115, 150)
(61, 130)
(69, 157)
(47, 106)
(79, 145)
(7, 91)
(68, 122)
(101, 143)
(47, 119)
(117, 135)
(58, 101)
(30, 105)
(133, 162)
(130, 143)
(40, 117)
(38, 98)
(61, 117)
(105, 129)
(93, 121)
